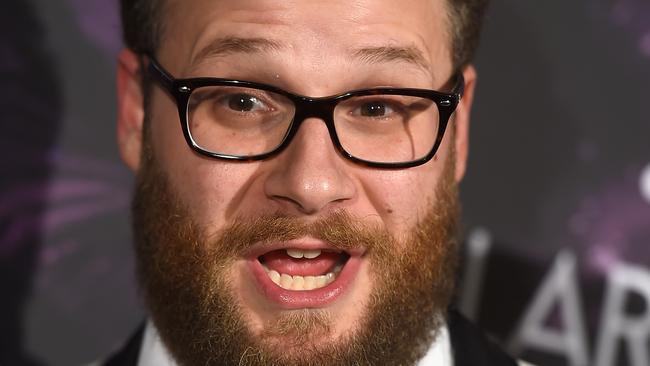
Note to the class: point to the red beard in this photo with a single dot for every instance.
(182, 274)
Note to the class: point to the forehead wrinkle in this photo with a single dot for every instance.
(388, 54)
(229, 45)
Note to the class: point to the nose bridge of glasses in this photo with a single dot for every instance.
(320, 108)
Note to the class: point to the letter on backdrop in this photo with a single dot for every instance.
(559, 287)
(616, 325)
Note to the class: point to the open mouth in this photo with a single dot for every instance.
(303, 273)
(303, 270)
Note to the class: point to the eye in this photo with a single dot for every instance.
(241, 102)
(375, 109)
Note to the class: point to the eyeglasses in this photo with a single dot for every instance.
(246, 121)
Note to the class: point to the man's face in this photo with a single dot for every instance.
(209, 232)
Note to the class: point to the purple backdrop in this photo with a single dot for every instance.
(557, 196)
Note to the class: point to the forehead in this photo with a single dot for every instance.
(310, 29)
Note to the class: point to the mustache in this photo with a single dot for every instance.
(340, 229)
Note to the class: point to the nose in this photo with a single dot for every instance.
(309, 176)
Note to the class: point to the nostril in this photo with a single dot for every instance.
(287, 201)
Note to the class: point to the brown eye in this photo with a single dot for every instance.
(243, 103)
(373, 109)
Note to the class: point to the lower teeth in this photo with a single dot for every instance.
(302, 283)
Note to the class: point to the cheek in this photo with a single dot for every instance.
(208, 187)
(402, 197)
(217, 192)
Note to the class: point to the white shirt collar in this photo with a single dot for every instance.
(154, 353)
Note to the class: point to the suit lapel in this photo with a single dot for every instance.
(471, 347)
(128, 355)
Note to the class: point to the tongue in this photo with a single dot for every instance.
(281, 262)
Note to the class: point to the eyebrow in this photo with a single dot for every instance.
(230, 45)
(380, 54)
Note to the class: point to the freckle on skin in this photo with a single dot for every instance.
(389, 210)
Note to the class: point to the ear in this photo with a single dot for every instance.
(461, 122)
(130, 108)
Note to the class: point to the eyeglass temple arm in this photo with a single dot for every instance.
(459, 88)
(160, 74)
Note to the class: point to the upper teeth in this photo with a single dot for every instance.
(299, 253)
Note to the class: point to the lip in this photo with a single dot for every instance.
(316, 298)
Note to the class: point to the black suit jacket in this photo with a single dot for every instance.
(470, 346)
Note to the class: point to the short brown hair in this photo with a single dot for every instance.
(142, 26)
(466, 20)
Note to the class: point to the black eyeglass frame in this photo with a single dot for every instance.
(306, 107)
